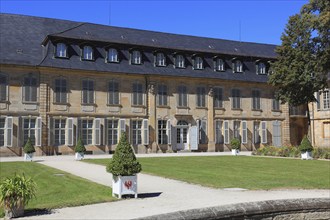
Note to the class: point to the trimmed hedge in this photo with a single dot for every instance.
(291, 151)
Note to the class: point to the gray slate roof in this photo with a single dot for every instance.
(22, 37)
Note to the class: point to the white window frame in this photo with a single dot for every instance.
(238, 66)
(219, 65)
(4, 88)
(60, 129)
(89, 130)
(198, 63)
(179, 61)
(162, 131)
(261, 68)
(160, 59)
(136, 57)
(61, 50)
(137, 130)
(113, 130)
(326, 99)
(113, 55)
(87, 53)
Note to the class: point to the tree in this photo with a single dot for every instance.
(303, 61)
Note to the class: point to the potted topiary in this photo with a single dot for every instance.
(28, 150)
(306, 149)
(235, 144)
(124, 168)
(80, 150)
(15, 193)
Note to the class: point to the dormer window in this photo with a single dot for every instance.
(61, 50)
(219, 65)
(160, 59)
(88, 53)
(237, 66)
(136, 57)
(198, 63)
(113, 55)
(261, 68)
(179, 61)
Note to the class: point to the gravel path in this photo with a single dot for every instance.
(157, 195)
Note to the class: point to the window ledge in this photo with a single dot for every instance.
(183, 107)
(139, 106)
(219, 108)
(257, 110)
(236, 109)
(275, 110)
(5, 101)
(163, 106)
(88, 104)
(30, 103)
(201, 107)
(115, 105)
(61, 103)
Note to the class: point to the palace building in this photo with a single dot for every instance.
(63, 80)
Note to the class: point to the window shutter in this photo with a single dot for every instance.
(50, 131)
(8, 131)
(203, 133)
(318, 101)
(198, 130)
(69, 132)
(263, 132)
(122, 126)
(38, 131)
(97, 131)
(244, 132)
(277, 133)
(168, 131)
(226, 128)
(145, 127)
(218, 132)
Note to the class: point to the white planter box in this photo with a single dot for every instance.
(28, 157)
(234, 152)
(124, 185)
(79, 156)
(306, 155)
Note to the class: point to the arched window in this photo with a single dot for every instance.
(61, 50)
(88, 53)
(219, 65)
(261, 68)
(136, 57)
(179, 61)
(238, 66)
(198, 63)
(112, 55)
(160, 59)
(182, 123)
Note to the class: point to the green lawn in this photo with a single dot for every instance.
(243, 172)
(55, 191)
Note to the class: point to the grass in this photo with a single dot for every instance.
(56, 191)
(243, 172)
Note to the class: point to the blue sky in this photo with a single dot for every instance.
(259, 21)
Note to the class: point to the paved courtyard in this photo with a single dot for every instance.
(157, 195)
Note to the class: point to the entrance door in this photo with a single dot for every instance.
(182, 135)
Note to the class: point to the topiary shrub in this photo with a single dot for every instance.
(28, 147)
(305, 145)
(123, 162)
(80, 147)
(235, 143)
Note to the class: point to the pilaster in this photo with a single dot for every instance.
(152, 116)
(286, 125)
(210, 121)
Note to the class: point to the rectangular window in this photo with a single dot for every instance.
(59, 131)
(3, 88)
(87, 131)
(256, 100)
(236, 98)
(162, 132)
(29, 130)
(183, 98)
(30, 89)
(256, 132)
(219, 65)
(179, 61)
(112, 131)
(88, 53)
(326, 99)
(326, 129)
(203, 132)
(2, 131)
(136, 132)
(162, 95)
(60, 91)
(218, 98)
(137, 94)
(113, 93)
(87, 92)
(160, 59)
(275, 104)
(200, 97)
(218, 132)
(237, 128)
(136, 57)
(198, 63)
(112, 55)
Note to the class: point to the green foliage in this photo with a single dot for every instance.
(80, 147)
(305, 145)
(123, 162)
(16, 190)
(28, 147)
(235, 143)
(303, 57)
(321, 153)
